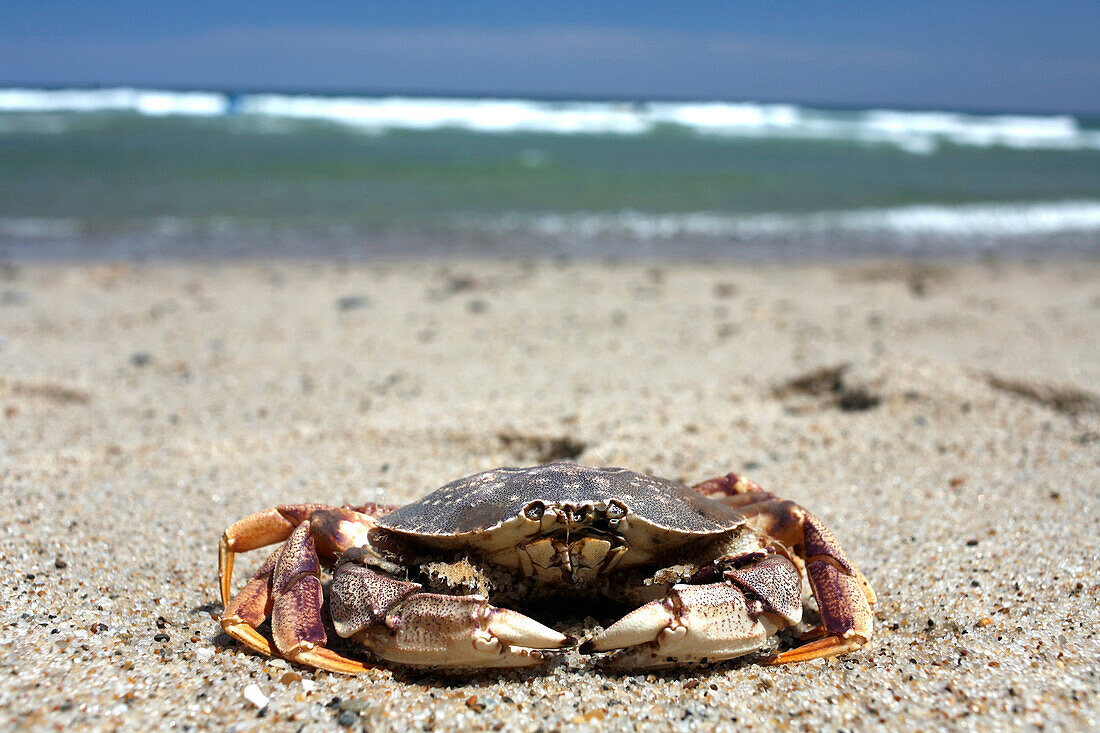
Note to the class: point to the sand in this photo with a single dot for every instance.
(942, 419)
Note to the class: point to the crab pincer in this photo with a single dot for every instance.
(397, 621)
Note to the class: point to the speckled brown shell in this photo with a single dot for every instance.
(484, 501)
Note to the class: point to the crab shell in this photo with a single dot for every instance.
(623, 519)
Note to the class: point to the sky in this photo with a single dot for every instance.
(1002, 56)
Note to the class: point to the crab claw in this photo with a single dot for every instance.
(640, 626)
(515, 628)
(695, 623)
(400, 624)
(434, 630)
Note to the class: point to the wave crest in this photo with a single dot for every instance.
(912, 132)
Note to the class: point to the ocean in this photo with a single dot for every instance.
(124, 173)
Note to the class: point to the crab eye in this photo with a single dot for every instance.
(534, 511)
(616, 511)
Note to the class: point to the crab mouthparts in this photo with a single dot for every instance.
(573, 542)
(598, 519)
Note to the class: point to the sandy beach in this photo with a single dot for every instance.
(943, 419)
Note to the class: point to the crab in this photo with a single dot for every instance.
(712, 573)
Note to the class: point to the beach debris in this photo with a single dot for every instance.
(856, 400)
(48, 391)
(454, 285)
(829, 386)
(541, 448)
(718, 569)
(916, 276)
(352, 302)
(816, 383)
(726, 290)
(1065, 399)
(140, 359)
(461, 283)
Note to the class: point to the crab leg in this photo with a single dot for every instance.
(258, 530)
(250, 607)
(337, 528)
(297, 625)
(287, 586)
(843, 595)
(402, 624)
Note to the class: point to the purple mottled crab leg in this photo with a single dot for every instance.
(287, 586)
(275, 525)
(843, 595)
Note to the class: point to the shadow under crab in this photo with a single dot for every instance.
(711, 572)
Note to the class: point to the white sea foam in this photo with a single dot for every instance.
(476, 115)
(978, 221)
(913, 132)
(142, 101)
(993, 221)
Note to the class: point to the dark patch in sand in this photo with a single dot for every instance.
(1064, 399)
(916, 276)
(827, 385)
(541, 448)
(56, 393)
(14, 297)
(455, 284)
(352, 302)
(857, 400)
(818, 383)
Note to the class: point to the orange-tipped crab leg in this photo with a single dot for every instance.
(843, 595)
(287, 586)
(258, 530)
(250, 607)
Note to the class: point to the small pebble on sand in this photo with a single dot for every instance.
(255, 695)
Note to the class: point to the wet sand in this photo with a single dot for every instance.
(944, 420)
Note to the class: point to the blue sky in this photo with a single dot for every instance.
(1003, 56)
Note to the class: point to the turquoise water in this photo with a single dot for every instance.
(228, 179)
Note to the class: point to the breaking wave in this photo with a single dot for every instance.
(971, 221)
(977, 221)
(910, 131)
